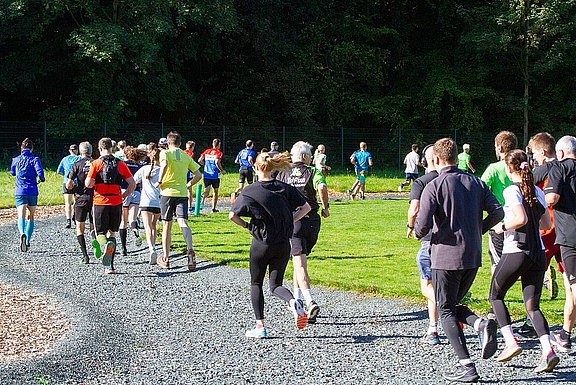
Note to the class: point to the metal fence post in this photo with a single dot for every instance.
(224, 138)
(105, 130)
(162, 130)
(342, 147)
(283, 137)
(399, 147)
(45, 146)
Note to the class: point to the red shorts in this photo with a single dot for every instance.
(552, 250)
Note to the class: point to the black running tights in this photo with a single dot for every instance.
(275, 257)
(509, 269)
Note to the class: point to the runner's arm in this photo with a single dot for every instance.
(323, 193)
(412, 213)
(301, 211)
(131, 187)
(195, 179)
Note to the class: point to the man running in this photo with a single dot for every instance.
(245, 159)
(561, 195)
(412, 161)
(362, 161)
(274, 149)
(307, 180)
(456, 250)
(83, 200)
(423, 256)
(105, 176)
(211, 159)
(174, 166)
(64, 169)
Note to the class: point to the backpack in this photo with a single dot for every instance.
(109, 173)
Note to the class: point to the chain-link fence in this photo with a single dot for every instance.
(387, 145)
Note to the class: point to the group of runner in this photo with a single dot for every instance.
(530, 200)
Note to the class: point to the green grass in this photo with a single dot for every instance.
(50, 191)
(362, 248)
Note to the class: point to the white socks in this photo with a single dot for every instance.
(508, 335)
(432, 327)
(466, 361)
(307, 293)
(545, 341)
(477, 324)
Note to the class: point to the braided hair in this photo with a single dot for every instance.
(154, 159)
(518, 161)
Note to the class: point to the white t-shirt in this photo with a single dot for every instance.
(411, 160)
(513, 197)
(150, 196)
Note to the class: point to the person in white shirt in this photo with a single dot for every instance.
(412, 162)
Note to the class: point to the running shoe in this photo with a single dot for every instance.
(85, 259)
(430, 339)
(191, 260)
(300, 316)
(462, 373)
(68, 223)
(552, 285)
(313, 311)
(153, 257)
(257, 333)
(400, 187)
(108, 256)
(509, 352)
(487, 335)
(215, 210)
(563, 346)
(23, 243)
(526, 331)
(137, 239)
(201, 203)
(548, 362)
(109, 270)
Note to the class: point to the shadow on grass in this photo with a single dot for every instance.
(352, 257)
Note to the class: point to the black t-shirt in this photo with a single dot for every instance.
(78, 173)
(420, 183)
(301, 176)
(562, 181)
(133, 167)
(541, 172)
(270, 205)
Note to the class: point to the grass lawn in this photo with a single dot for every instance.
(362, 247)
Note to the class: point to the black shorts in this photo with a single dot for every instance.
(246, 175)
(569, 258)
(81, 210)
(495, 245)
(65, 190)
(305, 236)
(153, 210)
(173, 205)
(212, 182)
(107, 218)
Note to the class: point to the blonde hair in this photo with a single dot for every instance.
(265, 162)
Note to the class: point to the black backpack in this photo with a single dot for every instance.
(109, 173)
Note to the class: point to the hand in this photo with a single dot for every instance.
(498, 228)
(328, 168)
(326, 212)
(223, 172)
(409, 233)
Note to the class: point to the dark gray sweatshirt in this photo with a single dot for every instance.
(452, 207)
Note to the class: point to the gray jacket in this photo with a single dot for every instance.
(452, 207)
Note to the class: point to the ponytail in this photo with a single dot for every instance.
(518, 160)
(27, 143)
(268, 163)
(154, 160)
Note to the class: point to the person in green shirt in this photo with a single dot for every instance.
(464, 159)
(174, 166)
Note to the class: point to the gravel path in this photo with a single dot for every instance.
(147, 326)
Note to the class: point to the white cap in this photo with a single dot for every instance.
(465, 146)
(163, 141)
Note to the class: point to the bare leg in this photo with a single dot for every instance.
(166, 238)
(569, 304)
(215, 199)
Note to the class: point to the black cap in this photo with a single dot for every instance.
(73, 147)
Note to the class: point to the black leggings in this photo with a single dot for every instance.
(261, 256)
(509, 269)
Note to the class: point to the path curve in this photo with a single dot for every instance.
(147, 326)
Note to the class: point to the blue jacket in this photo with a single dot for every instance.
(66, 165)
(26, 168)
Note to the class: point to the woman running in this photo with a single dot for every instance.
(26, 168)
(130, 205)
(150, 200)
(522, 257)
(273, 207)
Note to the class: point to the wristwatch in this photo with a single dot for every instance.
(410, 227)
(503, 227)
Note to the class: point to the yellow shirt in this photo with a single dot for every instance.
(177, 165)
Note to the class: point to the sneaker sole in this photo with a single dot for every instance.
(561, 348)
(490, 343)
(153, 259)
(97, 249)
(549, 367)
(301, 321)
(510, 356)
(23, 245)
(108, 254)
(313, 314)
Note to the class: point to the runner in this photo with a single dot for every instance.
(464, 158)
(147, 176)
(83, 200)
(456, 257)
(64, 169)
(561, 195)
(307, 180)
(174, 165)
(543, 147)
(423, 256)
(320, 159)
(121, 148)
(273, 149)
(523, 257)
(211, 160)
(27, 168)
(274, 207)
(412, 162)
(245, 159)
(190, 146)
(362, 161)
(131, 203)
(105, 176)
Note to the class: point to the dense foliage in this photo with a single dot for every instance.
(457, 65)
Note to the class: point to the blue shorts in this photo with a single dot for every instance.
(132, 199)
(411, 176)
(30, 200)
(423, 261)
